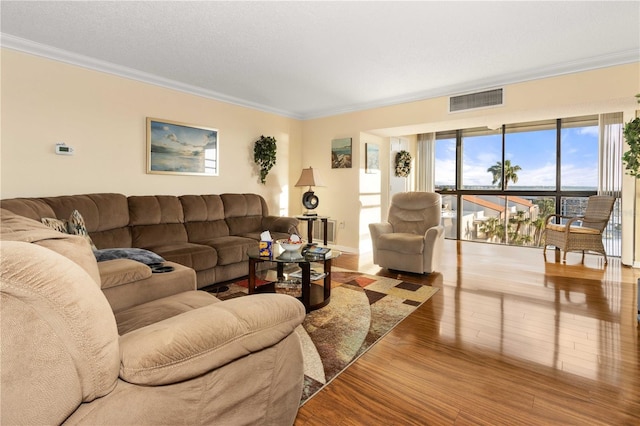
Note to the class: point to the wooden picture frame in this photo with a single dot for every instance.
(176, 148)
(341, 153)
(372, 158)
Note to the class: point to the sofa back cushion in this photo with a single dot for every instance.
(244, 212)
(106, 216)
(204, 217)
(415, 212)
(33, 208)
(58, 333)
(156, 220)
(14, 227)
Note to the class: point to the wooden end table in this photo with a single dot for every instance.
(310, 219)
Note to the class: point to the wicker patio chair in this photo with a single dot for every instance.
(587, 236)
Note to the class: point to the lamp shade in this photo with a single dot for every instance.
(310, 177)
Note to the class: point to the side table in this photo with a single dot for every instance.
(310, 220)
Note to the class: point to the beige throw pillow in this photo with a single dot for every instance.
(74, 226)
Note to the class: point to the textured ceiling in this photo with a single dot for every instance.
(311, 59)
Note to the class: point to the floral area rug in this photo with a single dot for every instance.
(363, 308)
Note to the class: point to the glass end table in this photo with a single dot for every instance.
(313, 296)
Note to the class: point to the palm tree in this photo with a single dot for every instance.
(520, 219)
(493, 228)
(510, 173)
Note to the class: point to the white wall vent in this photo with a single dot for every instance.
(488, 98)
(318, 232)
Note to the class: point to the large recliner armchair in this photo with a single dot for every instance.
(66, 358)
(411, 240)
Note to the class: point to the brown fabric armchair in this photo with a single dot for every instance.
(587, 236)
(411, 239)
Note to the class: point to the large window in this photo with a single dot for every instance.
(499, 185)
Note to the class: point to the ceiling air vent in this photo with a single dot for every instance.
(484, 99)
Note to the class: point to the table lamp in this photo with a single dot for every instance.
(310, 177)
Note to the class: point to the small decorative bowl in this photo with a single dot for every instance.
(289, 246)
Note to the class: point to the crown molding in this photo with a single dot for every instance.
(571, 67)
(53, 53)
(38, 49)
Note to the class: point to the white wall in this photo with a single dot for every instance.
(103, 117)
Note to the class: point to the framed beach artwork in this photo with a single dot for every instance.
(372, 158)
(181, 149)
(341, 153)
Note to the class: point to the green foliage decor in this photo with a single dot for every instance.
(631, 134)
(264, 155)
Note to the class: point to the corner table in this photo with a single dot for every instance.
(310, 220)
(314, 296)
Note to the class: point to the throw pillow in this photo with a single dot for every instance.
(140, 255)
(76, 226)
(59, 225)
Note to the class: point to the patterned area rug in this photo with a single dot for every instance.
(363, 308)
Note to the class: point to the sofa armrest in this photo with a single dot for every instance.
(203, 339)
(284, 224)
(377, 229)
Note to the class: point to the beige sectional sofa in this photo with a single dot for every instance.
(167, 353)
(208, 233)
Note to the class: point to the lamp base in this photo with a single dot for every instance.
(310, 200)
(309, 214)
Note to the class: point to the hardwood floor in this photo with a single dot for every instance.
(510, 338)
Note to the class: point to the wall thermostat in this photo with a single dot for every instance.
(63, 149)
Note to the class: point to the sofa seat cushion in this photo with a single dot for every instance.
(157, 286)
(402, 243)
(231, 249)
(573, 229)
(160, 309)
(122, 271)
(196, 256)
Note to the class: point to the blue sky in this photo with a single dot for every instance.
(534, 152)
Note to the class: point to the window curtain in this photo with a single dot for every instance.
(425, 162)
(611, 146)
(611, 170)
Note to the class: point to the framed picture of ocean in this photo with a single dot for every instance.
(341, 153)
(181, 149)
(372, 158)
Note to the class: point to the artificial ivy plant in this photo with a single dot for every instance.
(631, 158)
(264, 155)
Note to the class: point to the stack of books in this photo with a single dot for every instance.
(316, 253)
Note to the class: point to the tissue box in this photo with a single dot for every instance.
(266, 248)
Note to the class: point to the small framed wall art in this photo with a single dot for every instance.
(181, 149)
(341, 153)
(372, 158)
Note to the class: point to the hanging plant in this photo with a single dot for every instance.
(403, 163)
(631, 134)
(264, 155)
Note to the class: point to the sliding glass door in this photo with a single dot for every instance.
(499, 185)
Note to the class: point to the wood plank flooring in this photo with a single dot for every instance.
(511, 338)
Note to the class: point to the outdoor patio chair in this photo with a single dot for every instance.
(580, 233)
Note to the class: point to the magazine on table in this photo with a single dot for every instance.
(316, 252)
(314, 275)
